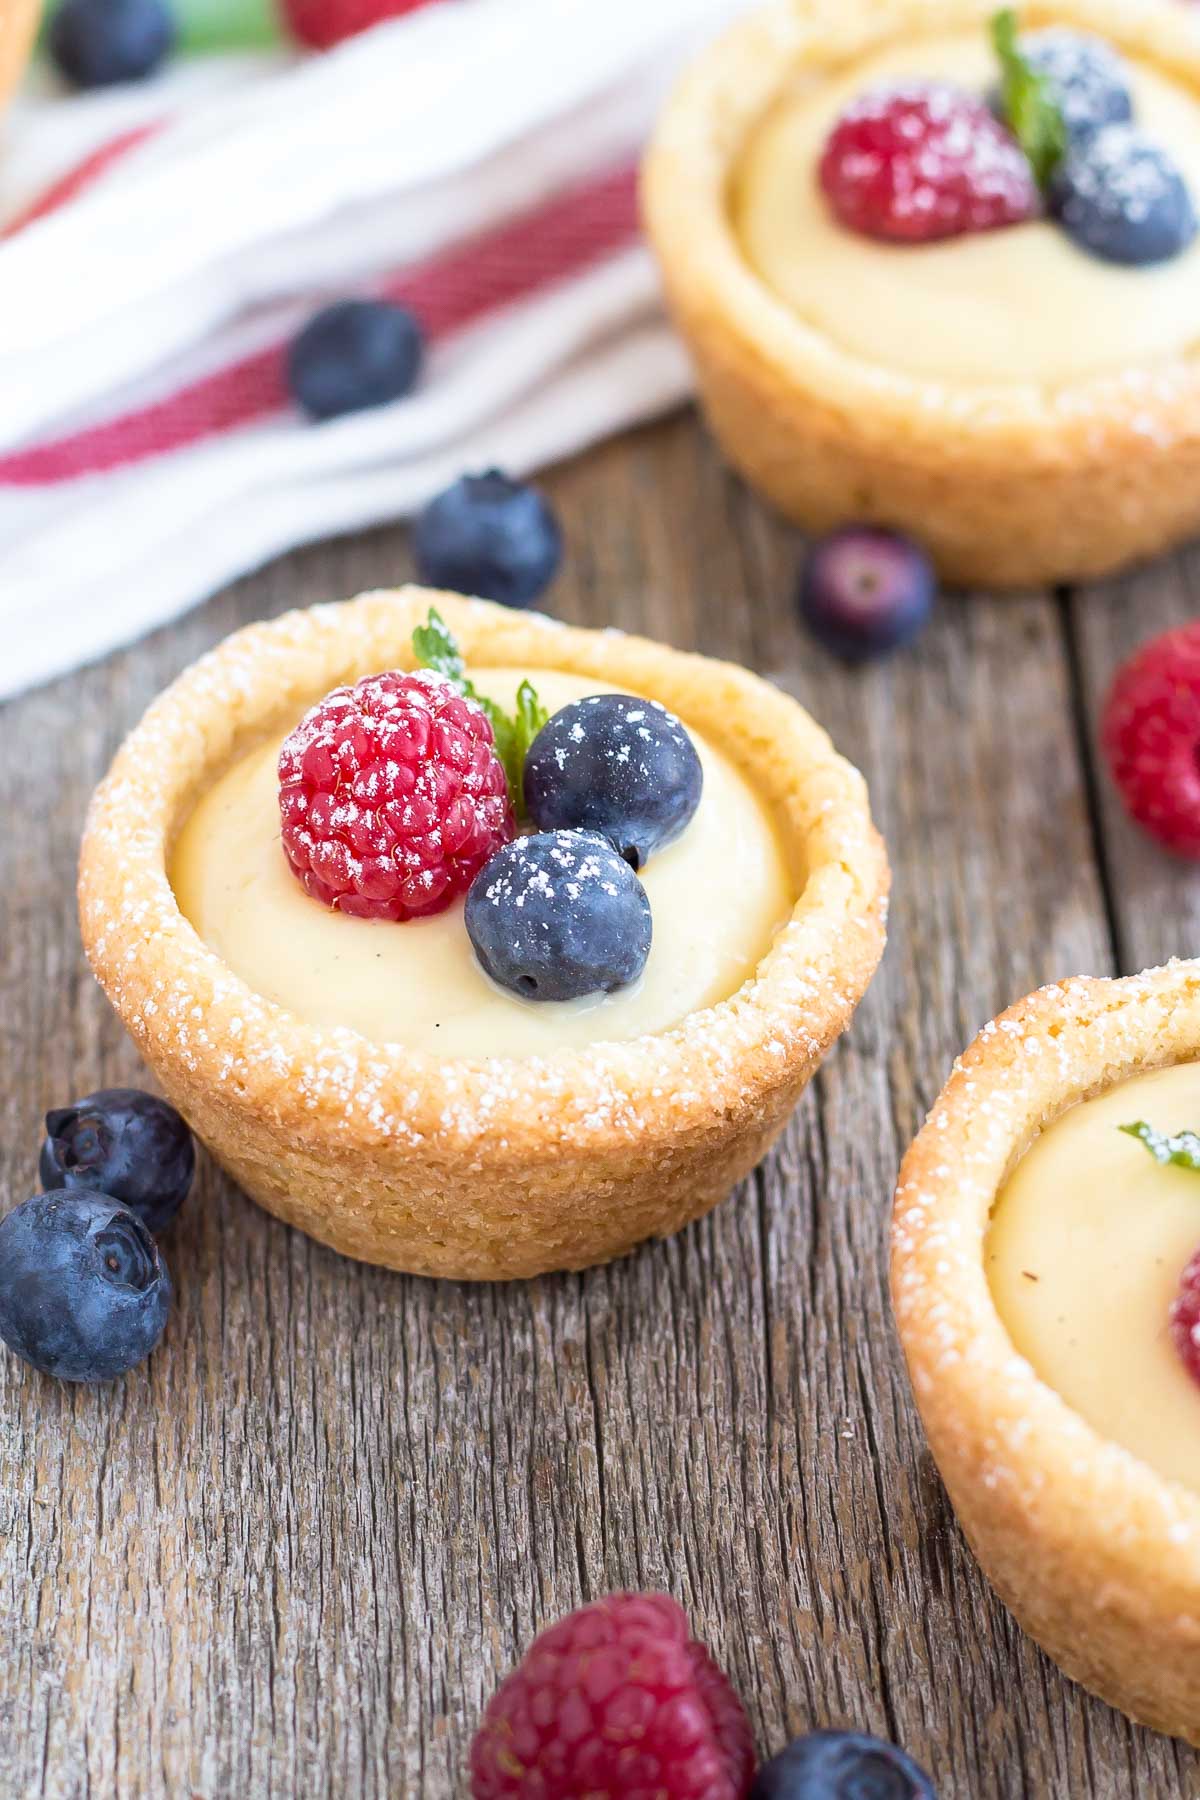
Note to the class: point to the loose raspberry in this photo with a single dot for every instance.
(392, 797)
(616, 1702)
(915, 163)
(323, 23)
(1150, 731)
(1185, 1318)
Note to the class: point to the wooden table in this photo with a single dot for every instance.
(292, 1555)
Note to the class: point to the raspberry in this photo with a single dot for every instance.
(920, 162)
(616, 1702)
(392, 797)
(323, 23)
(1150, 731)
(1185, 1318)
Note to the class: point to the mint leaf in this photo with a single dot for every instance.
(1183, 1150)
(531, 716)
(1028, 101)
(436, 647)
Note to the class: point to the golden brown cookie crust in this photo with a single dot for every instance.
(490, 1168)
(1008, 487)
(1096, 1554)
(18, 26)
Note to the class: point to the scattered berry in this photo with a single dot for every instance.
(617, 765)
(616, 1699)
(322, 23)
(1089, 80)
(353, 355)
(916, 163)
(97, 43)
(1185, 1318)
(1150, 731)
(84, 1293)
(559, 915)
(121, 1142)
(865, 591)
(489, 536)
(1120, 196)
(841, 1765)
(392, 796)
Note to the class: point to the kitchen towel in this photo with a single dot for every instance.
(160, 245)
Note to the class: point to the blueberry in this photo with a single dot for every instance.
(617, 765)
(489, 536)
(96, 43)
(84, 1293)
(841, 1765)
(1089, 79)
(355, 354)
(1119, 195)
(124, 1143)
(865, 591)
(558, 916)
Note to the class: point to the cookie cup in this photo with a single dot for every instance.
(479, 1169)
(1009, 486)
(1097, 1556)
(18, 27)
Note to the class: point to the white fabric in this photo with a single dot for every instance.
(280, 182)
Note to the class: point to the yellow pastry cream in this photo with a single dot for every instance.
(718, 895)
(1087, 1243)
(1020, 304)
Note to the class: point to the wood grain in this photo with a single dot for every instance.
(292, 1555)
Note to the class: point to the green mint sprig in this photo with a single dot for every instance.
(1028, 101)
(436, 647)
(1183, 1149)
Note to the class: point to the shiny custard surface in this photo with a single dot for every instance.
(1087, 1242)
(1021, 304)
(718, 895)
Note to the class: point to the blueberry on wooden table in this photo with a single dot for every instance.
(124, 1143)
(84, 1291)
(841, 1765)
(489, 536)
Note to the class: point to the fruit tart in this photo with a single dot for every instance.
(1046, 1285)
(938, 268)
(476, 945)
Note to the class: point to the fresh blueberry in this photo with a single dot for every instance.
(124, 1143)
(558, 916)
(489, 536)
(617, 765)
(96, 43)
(84, 1293)
(352, 355)
(865, 591)
(1090, 82)
(841, 1765)
(1120, 196)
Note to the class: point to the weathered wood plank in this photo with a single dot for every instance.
(292, 1556)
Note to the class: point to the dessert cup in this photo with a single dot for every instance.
(1095, 1553)
(1008, 483)
(491, 1167)
(18, 27)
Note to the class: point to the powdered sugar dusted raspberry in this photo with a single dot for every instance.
(392, 796)
(1185, 1318)
(617, 1698)
(1151, 737)
(924, 161)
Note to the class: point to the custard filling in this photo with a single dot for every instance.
(718, 896)
(1087, 1242)
(1018, 304)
